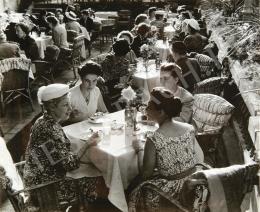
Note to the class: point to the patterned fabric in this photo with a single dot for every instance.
(207, 66)
(13, 63)
(48, 158)
(114, 67)
(173, 156)
(48, 155)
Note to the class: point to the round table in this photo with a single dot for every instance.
(42, 42)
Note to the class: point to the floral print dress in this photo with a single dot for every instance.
(173, 156)
(48, 158)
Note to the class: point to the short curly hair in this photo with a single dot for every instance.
(126, 33)
(143, 28)
(90, 68)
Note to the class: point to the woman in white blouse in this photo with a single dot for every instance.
(86, 98)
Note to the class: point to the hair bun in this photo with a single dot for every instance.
(165, 100)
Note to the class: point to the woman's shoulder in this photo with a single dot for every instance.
(185, 95)
(96, 91)
(74, 89)
(176, 129)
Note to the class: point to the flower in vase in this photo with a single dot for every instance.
(128, 94)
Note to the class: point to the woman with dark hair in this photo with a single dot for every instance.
(143, 31)
(141, 18)
(27, 43)
(42, 23)
(170, 149)
(128, 36)
(169, 78)
(115, 65)
(86, 98)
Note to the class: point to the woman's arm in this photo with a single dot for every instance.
(101, 105)
(146, 163)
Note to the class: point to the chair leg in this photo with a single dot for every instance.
(30, 98)
(2, 104)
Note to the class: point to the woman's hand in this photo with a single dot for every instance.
(94, 139)
(137, 145)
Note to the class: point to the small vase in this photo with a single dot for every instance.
(130, 115)
(145, 61)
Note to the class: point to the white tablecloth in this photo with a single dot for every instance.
(42, 43)
(169, 31)
(106, 14)
(163, 48)
(114, 158)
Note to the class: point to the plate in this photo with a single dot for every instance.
(97, 120)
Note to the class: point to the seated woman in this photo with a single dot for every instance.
(129, 37)
(143, 31)
(141, 18)
(27, 43)
(194, 41)
(158, 22)
(169, 78)
(86, 98)
(115, 65)
(48, 156)
(71, 22)
(170, 149)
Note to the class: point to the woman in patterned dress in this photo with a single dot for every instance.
(48, 156)
(170, 150)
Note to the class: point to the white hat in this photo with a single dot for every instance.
(160, 12)
(192, 23)
(71, 15)
(52, 91)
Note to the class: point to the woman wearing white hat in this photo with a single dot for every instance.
(194, 41)
(72, 23)
(48, 156)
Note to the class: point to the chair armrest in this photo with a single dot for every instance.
(34, 187)
(208, 132)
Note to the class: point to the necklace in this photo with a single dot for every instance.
(87, 97)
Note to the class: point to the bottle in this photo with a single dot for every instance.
(157, 61)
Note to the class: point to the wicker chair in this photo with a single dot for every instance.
(11, 181)
(71, 35)
(15, 83)
(210, 114)
(73, 58)
(213, 85)
(45, 68)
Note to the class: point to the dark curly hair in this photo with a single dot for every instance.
(173, 68)
(90, 68)
(121, 47)
(164, 99)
